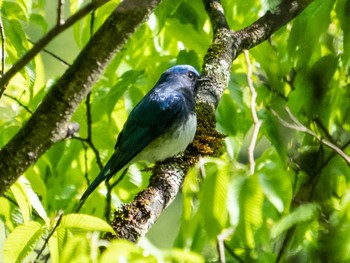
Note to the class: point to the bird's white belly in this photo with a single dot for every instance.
(170, 144)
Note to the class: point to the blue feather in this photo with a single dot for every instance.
(162, 117)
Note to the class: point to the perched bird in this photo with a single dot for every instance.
(161, 125)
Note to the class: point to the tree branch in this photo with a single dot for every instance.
(57, 29)
(134, 219)
(256, 122)
(49, 122)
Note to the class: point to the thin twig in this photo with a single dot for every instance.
(3, 38)
(109, 193)
(51, 54)
(19, 103)
(86, 163)
(60, 215)
(285, 243)
(220, 243)
(57, 29)
(256, 122)
(93, 148)
(298, 126)
(324, 129)
(60, 6)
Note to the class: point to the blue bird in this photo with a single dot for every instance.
(161, 125)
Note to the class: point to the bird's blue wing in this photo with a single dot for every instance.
(149, 119)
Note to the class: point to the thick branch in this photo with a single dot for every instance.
(48, 123)
(134, 219)
(264, 27)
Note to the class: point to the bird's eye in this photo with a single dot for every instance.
(191, 75)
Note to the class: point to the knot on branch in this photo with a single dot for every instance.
(208, 141)
(132, 220)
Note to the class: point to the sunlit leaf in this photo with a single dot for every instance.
(214, 197)
(22, 241)
(302, 213)
(125, 251)
(85, 222)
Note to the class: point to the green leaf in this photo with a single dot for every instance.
(342, 11)
(39, 20)
(57, 241)
(18, 10)
(105, 103)
(213, 198)
(22, 241)
(302, 213)
(226, 115)
(20, 194)
(275, 132)
(250, 198)
(183, 256)
(275, 181)
(306, 31)
(125, 251)
(188, 57)
(312, 87)
(5, 213)
(76, 250)
(85, 222)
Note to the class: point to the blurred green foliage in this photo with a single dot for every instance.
(294, 208)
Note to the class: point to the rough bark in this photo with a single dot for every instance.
(134, 219)
(49, 122)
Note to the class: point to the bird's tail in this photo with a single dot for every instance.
(103, 175)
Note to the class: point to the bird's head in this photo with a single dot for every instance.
(184, 74)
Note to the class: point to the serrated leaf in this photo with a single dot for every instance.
(213, 199)
(5, 213)
(76, 250)
(274, 181)
(125, 251)
(22, 241)
(250, 204)
(33, 199)
(302, 213)
(19, 192)
(85, 222)
(58, 240)
(179, 255)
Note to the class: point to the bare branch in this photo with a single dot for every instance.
(221, 243)
(256, 122)
(52, 55)
(298, 126)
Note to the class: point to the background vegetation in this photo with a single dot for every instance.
(290, 203)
